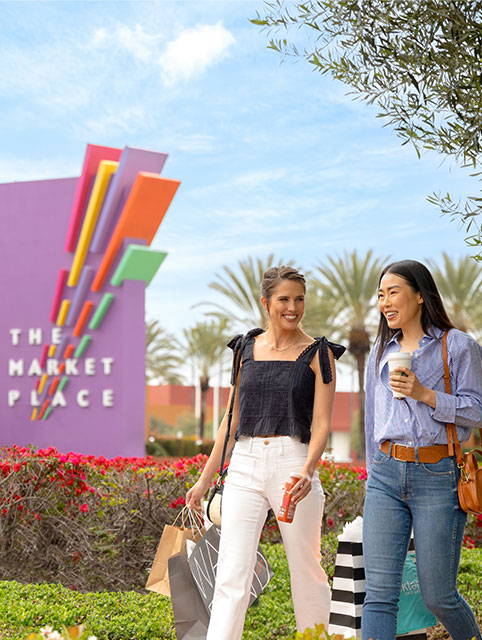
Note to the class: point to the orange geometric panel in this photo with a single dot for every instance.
(143, 212)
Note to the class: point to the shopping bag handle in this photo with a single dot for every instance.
(190, 517)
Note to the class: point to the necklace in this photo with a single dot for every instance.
(292, 344)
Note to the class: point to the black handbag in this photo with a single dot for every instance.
(214, 505)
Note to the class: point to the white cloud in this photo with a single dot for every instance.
(124, 119)
(132, 40)
(193, 51)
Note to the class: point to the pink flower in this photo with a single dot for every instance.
(16, 467)
(84, 508)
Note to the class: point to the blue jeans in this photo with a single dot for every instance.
(402, 495)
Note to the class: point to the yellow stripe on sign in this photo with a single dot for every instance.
(106, 169)
(34, 414)
(64, 309)
(41, 386)
(52, 350)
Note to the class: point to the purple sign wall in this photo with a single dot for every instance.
(75, 262)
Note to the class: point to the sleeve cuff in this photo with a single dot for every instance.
(445, 406)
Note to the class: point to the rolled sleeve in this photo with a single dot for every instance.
(464, 407)
(445, 407)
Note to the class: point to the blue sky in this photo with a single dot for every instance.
(272, 156)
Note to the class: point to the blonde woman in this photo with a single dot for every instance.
(281, 421)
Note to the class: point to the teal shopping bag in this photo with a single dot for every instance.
(412, 612)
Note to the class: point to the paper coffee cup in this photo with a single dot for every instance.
(399, 359)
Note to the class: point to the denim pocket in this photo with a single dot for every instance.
(380, 457)
(444, 467)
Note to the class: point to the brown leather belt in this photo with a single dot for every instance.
(431, 454)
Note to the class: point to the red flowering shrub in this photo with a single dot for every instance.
(473, 532)
(88, 522)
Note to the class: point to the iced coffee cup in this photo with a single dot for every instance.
(399, 359)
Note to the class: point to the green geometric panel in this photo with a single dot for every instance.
(101, 310)
(138, 263)
(84, 343)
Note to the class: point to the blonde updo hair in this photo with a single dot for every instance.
(273, 276)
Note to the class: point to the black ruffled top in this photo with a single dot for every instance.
(276, 396)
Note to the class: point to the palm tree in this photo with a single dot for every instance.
(460, 285)
(205, 346)
(162, 359)
(242, 293)
(351, 283)
(320, 310)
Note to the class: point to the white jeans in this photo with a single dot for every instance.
(258, 470)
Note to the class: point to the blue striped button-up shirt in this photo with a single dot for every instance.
(414, 423)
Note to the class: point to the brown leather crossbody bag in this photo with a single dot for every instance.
(470, 482)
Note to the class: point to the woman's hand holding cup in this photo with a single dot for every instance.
(399, 364)
(404, 383)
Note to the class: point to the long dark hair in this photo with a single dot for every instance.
(421, 281)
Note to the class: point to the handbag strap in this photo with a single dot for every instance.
(236, 366)
(452, 437)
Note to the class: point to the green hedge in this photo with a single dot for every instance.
(178, 447)
(135, 616)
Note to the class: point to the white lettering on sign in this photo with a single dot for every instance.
(35, 336)
(108, 397)
(13, 396)
(15, 333)
(89, 366)
(15, 367)
(107, 362)
(71, 367)
(52, 367)
(34, 401)
(19, 367)
(83, 398)
(35, 369)
(59, 399)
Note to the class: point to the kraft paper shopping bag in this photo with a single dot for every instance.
(173, 541)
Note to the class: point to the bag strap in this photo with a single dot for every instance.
(452, 438)
(236, 366)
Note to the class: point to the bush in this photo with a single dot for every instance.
(178, 447)
(108, 615)
(473, 531)
(132, 616)
(87, 522)
(76, 632)
(92, 523)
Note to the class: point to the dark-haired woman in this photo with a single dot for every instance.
(281, 422)
(412, 480)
